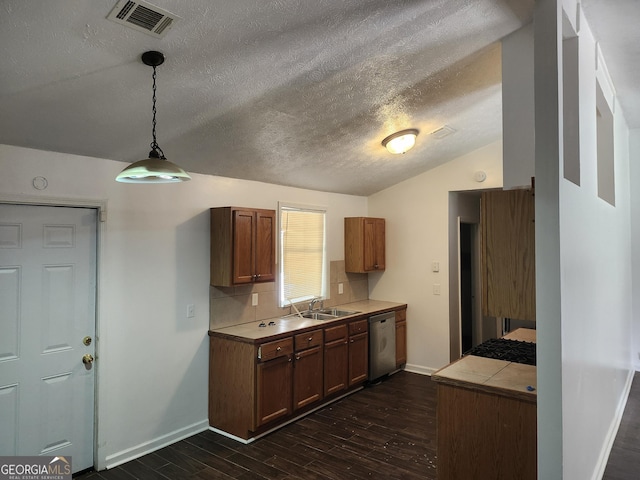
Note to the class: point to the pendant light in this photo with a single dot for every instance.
(156, 168)
(401, 141)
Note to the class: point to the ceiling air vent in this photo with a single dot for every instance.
(143, 16)
(442, 132)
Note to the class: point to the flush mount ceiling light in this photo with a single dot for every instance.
(156, 168)
(401, 141)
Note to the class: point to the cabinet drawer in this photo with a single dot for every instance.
(401, 315)
(278, 348)
(335, 333)
(307, 340)
(358, 327)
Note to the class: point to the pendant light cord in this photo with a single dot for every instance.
(154, 144)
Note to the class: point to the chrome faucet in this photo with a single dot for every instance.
(313, 301)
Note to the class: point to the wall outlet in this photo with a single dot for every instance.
(254, 299)
(340, 288)
(436, 289)
(191, 310)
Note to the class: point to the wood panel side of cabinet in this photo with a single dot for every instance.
(221, 246)
(401, 337)
(499, 433)
(232, 386)
(508, 259)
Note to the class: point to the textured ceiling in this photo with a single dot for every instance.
(290, 92)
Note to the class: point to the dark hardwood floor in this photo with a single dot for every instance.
(624, 459)
(386, 431)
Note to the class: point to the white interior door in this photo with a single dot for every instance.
(47, 299)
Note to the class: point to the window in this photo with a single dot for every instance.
(303, 271)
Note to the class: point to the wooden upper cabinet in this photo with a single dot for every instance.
(508, 254)
(243, 246)
(364, 244)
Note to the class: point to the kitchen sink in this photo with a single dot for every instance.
(318, 316)
(336, 312)
(322, 314)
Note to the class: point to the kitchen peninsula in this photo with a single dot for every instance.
(486, 418)
(265, 373)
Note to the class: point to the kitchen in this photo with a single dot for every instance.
(153, 379)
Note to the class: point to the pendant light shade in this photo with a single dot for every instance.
(401, 141)
(156, 168)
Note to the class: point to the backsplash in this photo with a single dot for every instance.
(232, 305)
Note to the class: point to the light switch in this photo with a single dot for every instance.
(436, 289)
(435, 266)
(191, 310)
(340, 288)
(254, 299)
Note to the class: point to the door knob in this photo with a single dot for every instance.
(87, 359)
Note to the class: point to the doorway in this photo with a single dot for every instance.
(48, 277)
(469, 286)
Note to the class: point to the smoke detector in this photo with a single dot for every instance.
(143, 16)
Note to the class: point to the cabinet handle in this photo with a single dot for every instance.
(351, 340)
(278, 349)
(297, 357)
(309, 339)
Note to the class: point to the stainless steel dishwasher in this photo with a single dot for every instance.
(382, 345)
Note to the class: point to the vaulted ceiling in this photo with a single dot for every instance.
(289, 92)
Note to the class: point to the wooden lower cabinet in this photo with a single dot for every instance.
(485, 435)
(401, 337)
(254, 387)
(336, 359)
(307, 369)
(358, 352)
(274, 389)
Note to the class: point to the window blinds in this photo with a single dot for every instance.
(302, 243)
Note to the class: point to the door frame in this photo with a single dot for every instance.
(99, 458)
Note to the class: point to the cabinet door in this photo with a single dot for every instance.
(374, 244)
(508, 260)
(364, 244)
(358, 358)
(336, 366)
(265, 246)
(307, 377)
(273, 398)
(243, 246)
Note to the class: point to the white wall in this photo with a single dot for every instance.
(634, 155)
(583, 262)
(152, 360)
(417, 216)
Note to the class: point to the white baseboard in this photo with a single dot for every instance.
(155, 444)
(419, 369)
(613, 430)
